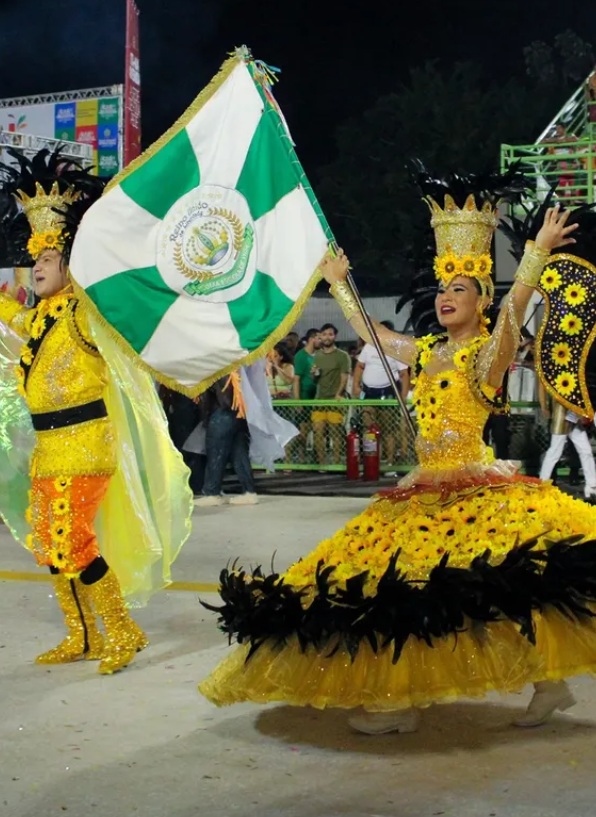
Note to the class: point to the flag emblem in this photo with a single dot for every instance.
(206, 244)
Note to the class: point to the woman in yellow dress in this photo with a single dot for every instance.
(467, 577)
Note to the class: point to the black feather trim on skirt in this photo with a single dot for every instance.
(329, 615)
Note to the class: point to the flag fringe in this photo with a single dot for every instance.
(194, 391)
(195, 106)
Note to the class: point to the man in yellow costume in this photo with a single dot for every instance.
(66, 384)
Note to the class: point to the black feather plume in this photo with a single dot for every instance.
(14, 233)
(46, 169)
(524, 226)
(485, 187)
(420, 296)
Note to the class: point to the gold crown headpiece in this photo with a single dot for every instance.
(46, 224)
(463, 237)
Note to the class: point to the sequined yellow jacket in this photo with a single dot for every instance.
(62, 378)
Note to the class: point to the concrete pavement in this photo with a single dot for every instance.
(143, 742)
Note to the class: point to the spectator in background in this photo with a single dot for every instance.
(567, 179)
(226, 438)
(331, 369)
(183, 414)
(304, 386)
(356, 348)
(292, 342)
(523, 383)
(497, 431)
(371, 383)
(279, 371)
(353, 351)
(524, 442)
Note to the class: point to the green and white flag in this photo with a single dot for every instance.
(203, 251)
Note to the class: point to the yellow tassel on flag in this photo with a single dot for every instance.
(238, 404)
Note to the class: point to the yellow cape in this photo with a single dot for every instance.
(146, 515)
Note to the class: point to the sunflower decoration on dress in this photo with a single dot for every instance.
(564, 353)
(42, 202)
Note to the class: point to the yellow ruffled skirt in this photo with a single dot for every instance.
(465, 521)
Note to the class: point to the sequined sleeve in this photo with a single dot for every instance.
(497, 355)
(401, 347)
(13, 314)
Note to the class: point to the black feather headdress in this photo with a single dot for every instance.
(471, 200)
(14, 233)
(486, 188)
(42, 202)
(464, 218)
(420, 296)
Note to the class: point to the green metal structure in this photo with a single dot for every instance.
(567, 158)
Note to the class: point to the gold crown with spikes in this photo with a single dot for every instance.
(46, 224)
(463, 237)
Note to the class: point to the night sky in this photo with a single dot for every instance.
(335, 62)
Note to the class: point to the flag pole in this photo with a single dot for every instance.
(383, 357)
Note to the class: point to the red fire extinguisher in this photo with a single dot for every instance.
(352, 453)
(371, 453)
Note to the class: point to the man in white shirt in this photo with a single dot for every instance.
(370, 382)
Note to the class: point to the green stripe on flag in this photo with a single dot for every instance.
(117, 299)
(259, 311)
(158, 183)
(268, 174)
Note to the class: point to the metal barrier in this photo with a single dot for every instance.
(323, 426)
(571, 165)
(30, 144)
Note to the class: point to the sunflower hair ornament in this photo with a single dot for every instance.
(464, 219)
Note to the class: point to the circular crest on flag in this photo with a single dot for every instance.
(205, 244)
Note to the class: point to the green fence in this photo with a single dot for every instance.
(571, 165)
(324, 424)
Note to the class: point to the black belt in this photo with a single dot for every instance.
(70, 416)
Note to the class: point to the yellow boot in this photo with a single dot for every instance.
(84, 640)
(124, 638)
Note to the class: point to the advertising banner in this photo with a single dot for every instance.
(65, 117)
(108, 136)
(95, 121)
